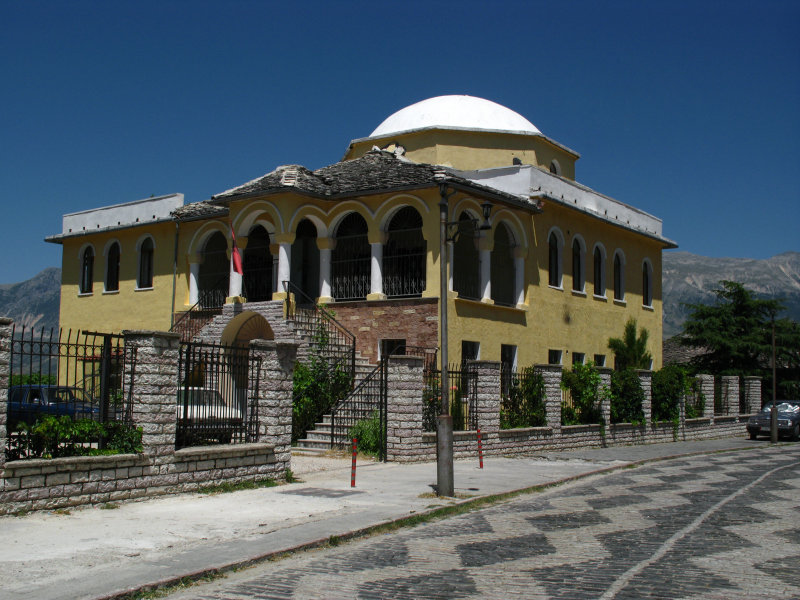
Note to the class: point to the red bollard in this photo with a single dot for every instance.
(353, 471)
(480, 449)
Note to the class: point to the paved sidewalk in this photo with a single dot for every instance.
(97, 553)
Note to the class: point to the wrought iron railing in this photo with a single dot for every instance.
(80, 375)
(522, 399)
(208, 306)
(462, 393)
(217, 400)
(367, 401)
(328, 337)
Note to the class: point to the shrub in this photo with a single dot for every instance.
(583, 383)
(316, 389)
(627, 397)
(54, 437)
(524, 406)
(369, 435)
(669, 384)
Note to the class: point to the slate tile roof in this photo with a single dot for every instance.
(374, 172)
(199, 210)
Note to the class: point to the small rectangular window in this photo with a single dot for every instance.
(554, 357)
(390, 347)
(470, 350)
(578, 358)
(600, 360)
(508, 357)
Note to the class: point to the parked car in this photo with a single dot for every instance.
(204, 415)
(27, 402)
(788, 420)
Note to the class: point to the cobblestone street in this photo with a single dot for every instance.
(716, 526)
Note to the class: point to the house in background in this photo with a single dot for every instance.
(559, 271)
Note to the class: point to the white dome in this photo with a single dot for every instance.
(460, 112)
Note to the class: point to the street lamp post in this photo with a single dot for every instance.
(773, 414)
(444, 422)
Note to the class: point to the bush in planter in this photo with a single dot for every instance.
(627, 397)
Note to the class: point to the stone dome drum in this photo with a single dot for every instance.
(455, 112)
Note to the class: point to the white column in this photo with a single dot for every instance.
(519, 275)
(234, 281)
(450, 265)
(194, 278)
(284, 264)
(486, 275)
(376, 270)
(325, 275)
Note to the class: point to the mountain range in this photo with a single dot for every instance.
(687, 279)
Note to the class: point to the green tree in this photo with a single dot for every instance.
(630, 351)
(736, 334)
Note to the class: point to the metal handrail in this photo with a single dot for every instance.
(321, 317)
(199, 305)
(362, 404)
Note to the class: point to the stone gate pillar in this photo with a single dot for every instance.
(646, 381)
(730, 394)
(155, 392)
(6, 326)
(275, 377)
(405, 387)
(552, 395)
(752, 394)
(489, 393)
(707, 389)
(605, 399)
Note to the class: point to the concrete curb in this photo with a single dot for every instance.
(443, 511)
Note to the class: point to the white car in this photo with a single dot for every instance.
(204, 415)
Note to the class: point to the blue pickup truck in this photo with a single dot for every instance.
(27, 402)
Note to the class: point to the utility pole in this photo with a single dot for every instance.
(444, 422)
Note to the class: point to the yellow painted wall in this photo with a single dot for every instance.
(469, 150)
(127, 308)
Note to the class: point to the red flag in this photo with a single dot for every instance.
(236, 256)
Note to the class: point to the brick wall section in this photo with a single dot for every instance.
(415, 320)
(605, 399)
(5, 368)
(752, 394)
(552, 395)
(707, 389)
(404, 409)
(730, 394)
(646, 381)
(275, 397)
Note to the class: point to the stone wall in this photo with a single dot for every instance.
(159, 469)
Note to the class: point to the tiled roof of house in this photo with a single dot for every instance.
(199, 210)
(374, 172)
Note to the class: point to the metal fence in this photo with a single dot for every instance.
(366, 402)
(462, 383)
(522, 402)
(217, 399)
(79, 375)
(208, 306)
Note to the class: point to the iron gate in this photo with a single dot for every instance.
(217, 399)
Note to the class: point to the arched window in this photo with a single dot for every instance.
(503, 274)
(619, 276)
(212, 281)
(404, 255)
(112, 268)
(350, 259)
(145, 279)
(647, 284)
(466, 260)
(304, 271)
(555, 244)
(87, 270)
(599, 272)
(258, 266)
(578, 261)
(555, 168)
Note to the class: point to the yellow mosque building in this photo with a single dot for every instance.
(540, 269)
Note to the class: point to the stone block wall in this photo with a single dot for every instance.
(5, 369)
(160, 469)
(404, 409)
(752, 395)
(729, 389)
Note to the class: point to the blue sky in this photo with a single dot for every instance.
(688, 110)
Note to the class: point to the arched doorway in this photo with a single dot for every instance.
(350, 268)
(404, 255)
(212, 281)
(258, 266)
(305, 261)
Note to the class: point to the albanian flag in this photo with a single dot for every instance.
(236, 257)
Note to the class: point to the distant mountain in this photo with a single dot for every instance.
(35, 302)
(689, 278)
